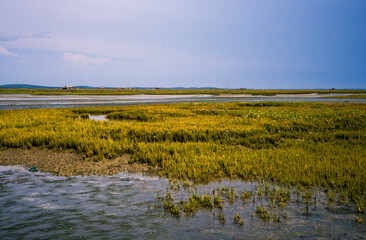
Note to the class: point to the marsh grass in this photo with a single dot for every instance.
(298, 144)
(358, 96)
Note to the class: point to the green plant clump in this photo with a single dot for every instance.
(246, 196)
(238, 219)
(262, 212)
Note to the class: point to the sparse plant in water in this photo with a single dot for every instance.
(359, 219)
(307, 197)
(298, 195)
(245, 196)
(186, 184)
(171, 207)
(331, 197)
(221, 217)
(224, 190)
(260, 191)
(262, 212)
(169, 196)
(206, 201)
(275, 218)
(157, 196)
(266, 189)
(189, 207)
(218, 201)
(238, 219)
(283, 196)
(360, 205)
(231, 195)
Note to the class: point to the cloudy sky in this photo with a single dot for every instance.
(169, 43)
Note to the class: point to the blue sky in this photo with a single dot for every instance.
(200, 43)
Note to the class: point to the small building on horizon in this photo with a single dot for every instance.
(69, 88)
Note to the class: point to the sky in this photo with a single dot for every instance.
(261, 44)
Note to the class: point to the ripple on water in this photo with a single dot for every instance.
(39, 205)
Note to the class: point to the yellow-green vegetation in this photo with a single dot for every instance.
(218, 201)
(237, 219)
(358, 96)
(107, 91)
(302, 144)
(246, 196)
(262, 212)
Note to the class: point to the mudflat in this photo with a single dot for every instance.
(68, 162)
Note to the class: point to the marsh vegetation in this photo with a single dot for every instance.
(292, 144)
(271, 203)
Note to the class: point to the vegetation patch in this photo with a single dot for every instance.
(299, 144)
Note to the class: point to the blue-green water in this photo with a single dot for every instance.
(43, 206)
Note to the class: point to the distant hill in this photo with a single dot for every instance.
(86, 87)
(24, 86)
(39, 86)
(30, 86)
(176, 88)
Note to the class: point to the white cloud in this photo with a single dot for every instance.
(82, 60)
(4, 51)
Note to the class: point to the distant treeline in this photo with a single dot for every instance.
(107, 91)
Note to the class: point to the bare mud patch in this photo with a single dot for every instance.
(68, 162)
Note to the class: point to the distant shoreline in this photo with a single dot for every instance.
(28, 101)
(215, 92)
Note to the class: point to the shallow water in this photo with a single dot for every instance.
(98, 117)
(43, 206)
(24, 101)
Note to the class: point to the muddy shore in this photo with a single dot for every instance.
(68, 163)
